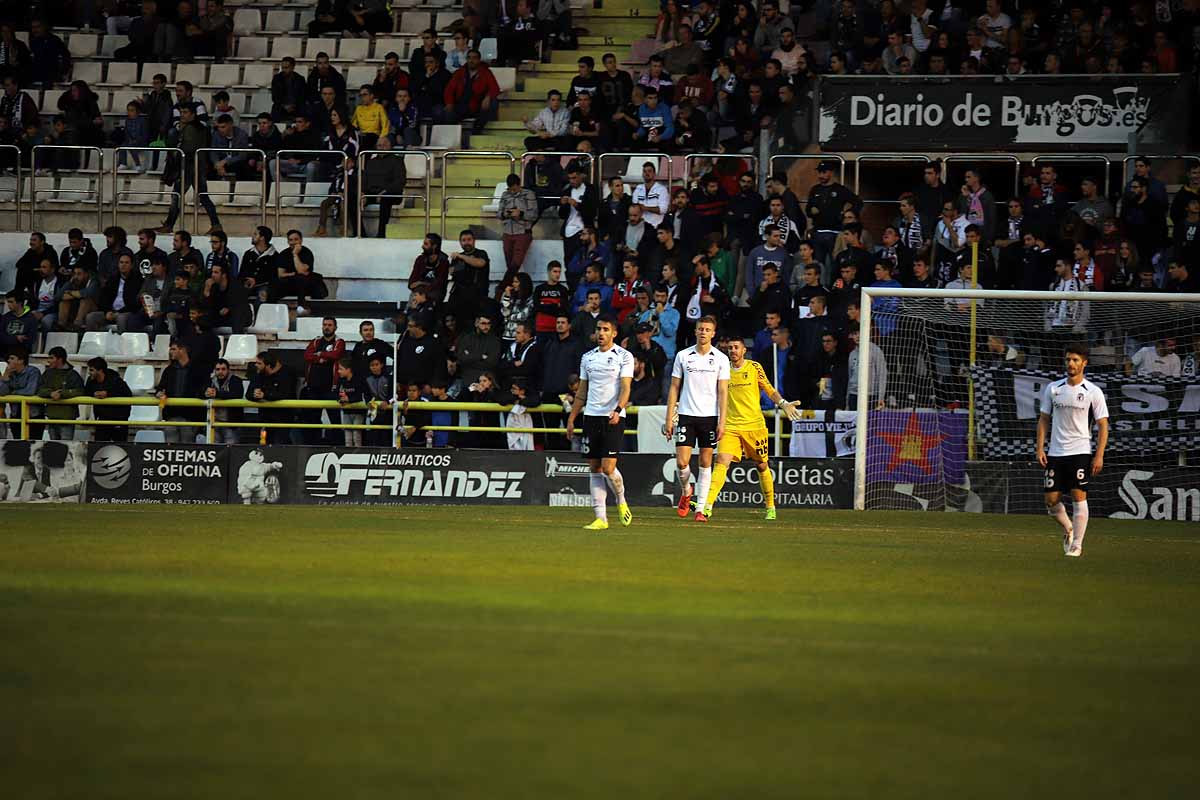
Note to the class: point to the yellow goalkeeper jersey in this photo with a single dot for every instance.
(745, 382)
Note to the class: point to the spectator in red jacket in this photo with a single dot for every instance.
(624, 299)
(472, 92)
(320, 383)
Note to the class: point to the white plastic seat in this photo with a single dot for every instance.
(218, 192)
(161, 349)
(110, 43)
(280, 21)
(44, 186)
(494, 206)
(120, 99)
(287, 46)
(144, 413)
(223, 76)
(149, 436)
(99, 343)
(256, 76)
(135, 345)
(241, 347)
(193, 73)
(308, 327)
(506, 78)
(489, 50)
(120, 74)
(271, 318)
(141, 191)
(445, 137)
(353, 50)
(315, 193)
(444, 19)
(414, 22)
(252, 48)
(259, 102)
(66, 340)
(291, 193)
(246, 194)
(238, 101)
(82, 45)
(89, 71)
(140, 378)
(247, 21)
(152, 68)
(358, 76)
(320, 45)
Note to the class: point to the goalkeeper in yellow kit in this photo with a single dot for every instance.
(746, 433)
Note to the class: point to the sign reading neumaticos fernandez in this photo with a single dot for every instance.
(1002, 113)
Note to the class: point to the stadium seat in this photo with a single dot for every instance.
(320, 45)
(120, 74)
(488, 50)
(354, 50)
(74, 190)
(308, 327)
(144, 414)
(121, 99)
(141, 191)
(140, 378)
(415, 166)
(149, 436)
(223, 76)
(506, 77)
(256, 76)
(259, 102)
(66, 340)
(445, 137)
(83, 45)
(194, 73)
(247, 21)
(252, 48)
(152, 68)
(279, 21)
(246, 194)
(110, 43)
(99, 343)
(44, 186)
(494, 206)
(8, 188)
(315, 193)
(358, 75)
(162, 348)
(89, 71)
(135, 345)
(241, 348)
(413, 22)
(271, 318)
(287, 46)
(398, 44)
(218, 192)
(444, 19)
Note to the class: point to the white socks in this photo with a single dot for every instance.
(1059, 512)
(702, 484)
(1081, 521)
(683, 477)
(617, 484)
(599, 495)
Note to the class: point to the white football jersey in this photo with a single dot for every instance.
(603, 371)
(1069, 407)
(700, 373)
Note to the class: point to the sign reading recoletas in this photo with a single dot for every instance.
(1001, 113)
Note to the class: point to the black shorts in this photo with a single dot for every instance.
(1064, 473)
(696, 432)
(601, 440)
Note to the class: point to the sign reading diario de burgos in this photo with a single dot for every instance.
(393, 477)
(1001, 113)
(157, 473)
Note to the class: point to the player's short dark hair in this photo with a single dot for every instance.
(605, 319)
(1078, 348)
(710, 319)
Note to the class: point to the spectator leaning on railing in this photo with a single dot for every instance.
(104, 383)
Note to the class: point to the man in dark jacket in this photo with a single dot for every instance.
(60, 381)
(18, 326)
(27, 264)
(522, 359)
(384, 178)
(272, 382)
(119, 299)
(225, 300)
(560, 359)
(320, 378)
(431, 269)
(420, 357)
(51, 61)
(288, 91)
(224, 385)
(478, 351)
(183, 378)
(324, 74)
(104, 383)
(368, 347)
(826, 202)
(192, 135)
(78, 253)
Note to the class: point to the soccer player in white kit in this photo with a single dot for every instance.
(605, 378)
(1067, 407)
(700, 390)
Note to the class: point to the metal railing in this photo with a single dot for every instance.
(116, 192)
(559, 154)
(16, 151)
(841, 162)
(714, 157)
(452, 154)
(656, 158)
(1078, 158)
(1127, 169)
(974, 159)
(885, 158)
(424, 198)
(99, 194)
(262, 181)
(326, 155)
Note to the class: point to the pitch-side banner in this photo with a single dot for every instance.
(42, 472)
(1040, 113)
(1147, 414)
(168, 474)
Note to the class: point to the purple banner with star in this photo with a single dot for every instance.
(917, 446)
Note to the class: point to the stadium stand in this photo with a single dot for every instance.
(703, 113)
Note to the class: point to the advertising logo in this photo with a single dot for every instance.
(111, 467)
(566, 469)
(348, 476)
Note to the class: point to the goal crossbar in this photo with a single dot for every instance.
(864, 359)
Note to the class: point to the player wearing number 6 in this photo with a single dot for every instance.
(745, 429)
(1067, 408)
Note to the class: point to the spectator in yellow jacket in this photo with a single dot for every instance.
(370, 118)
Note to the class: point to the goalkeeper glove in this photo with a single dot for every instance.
(791, 409)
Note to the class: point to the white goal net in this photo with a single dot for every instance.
(949, 420)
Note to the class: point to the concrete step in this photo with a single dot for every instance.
(572, 56)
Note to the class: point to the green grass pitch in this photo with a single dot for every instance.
(506, 653)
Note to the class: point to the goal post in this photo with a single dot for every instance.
(948, 420)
